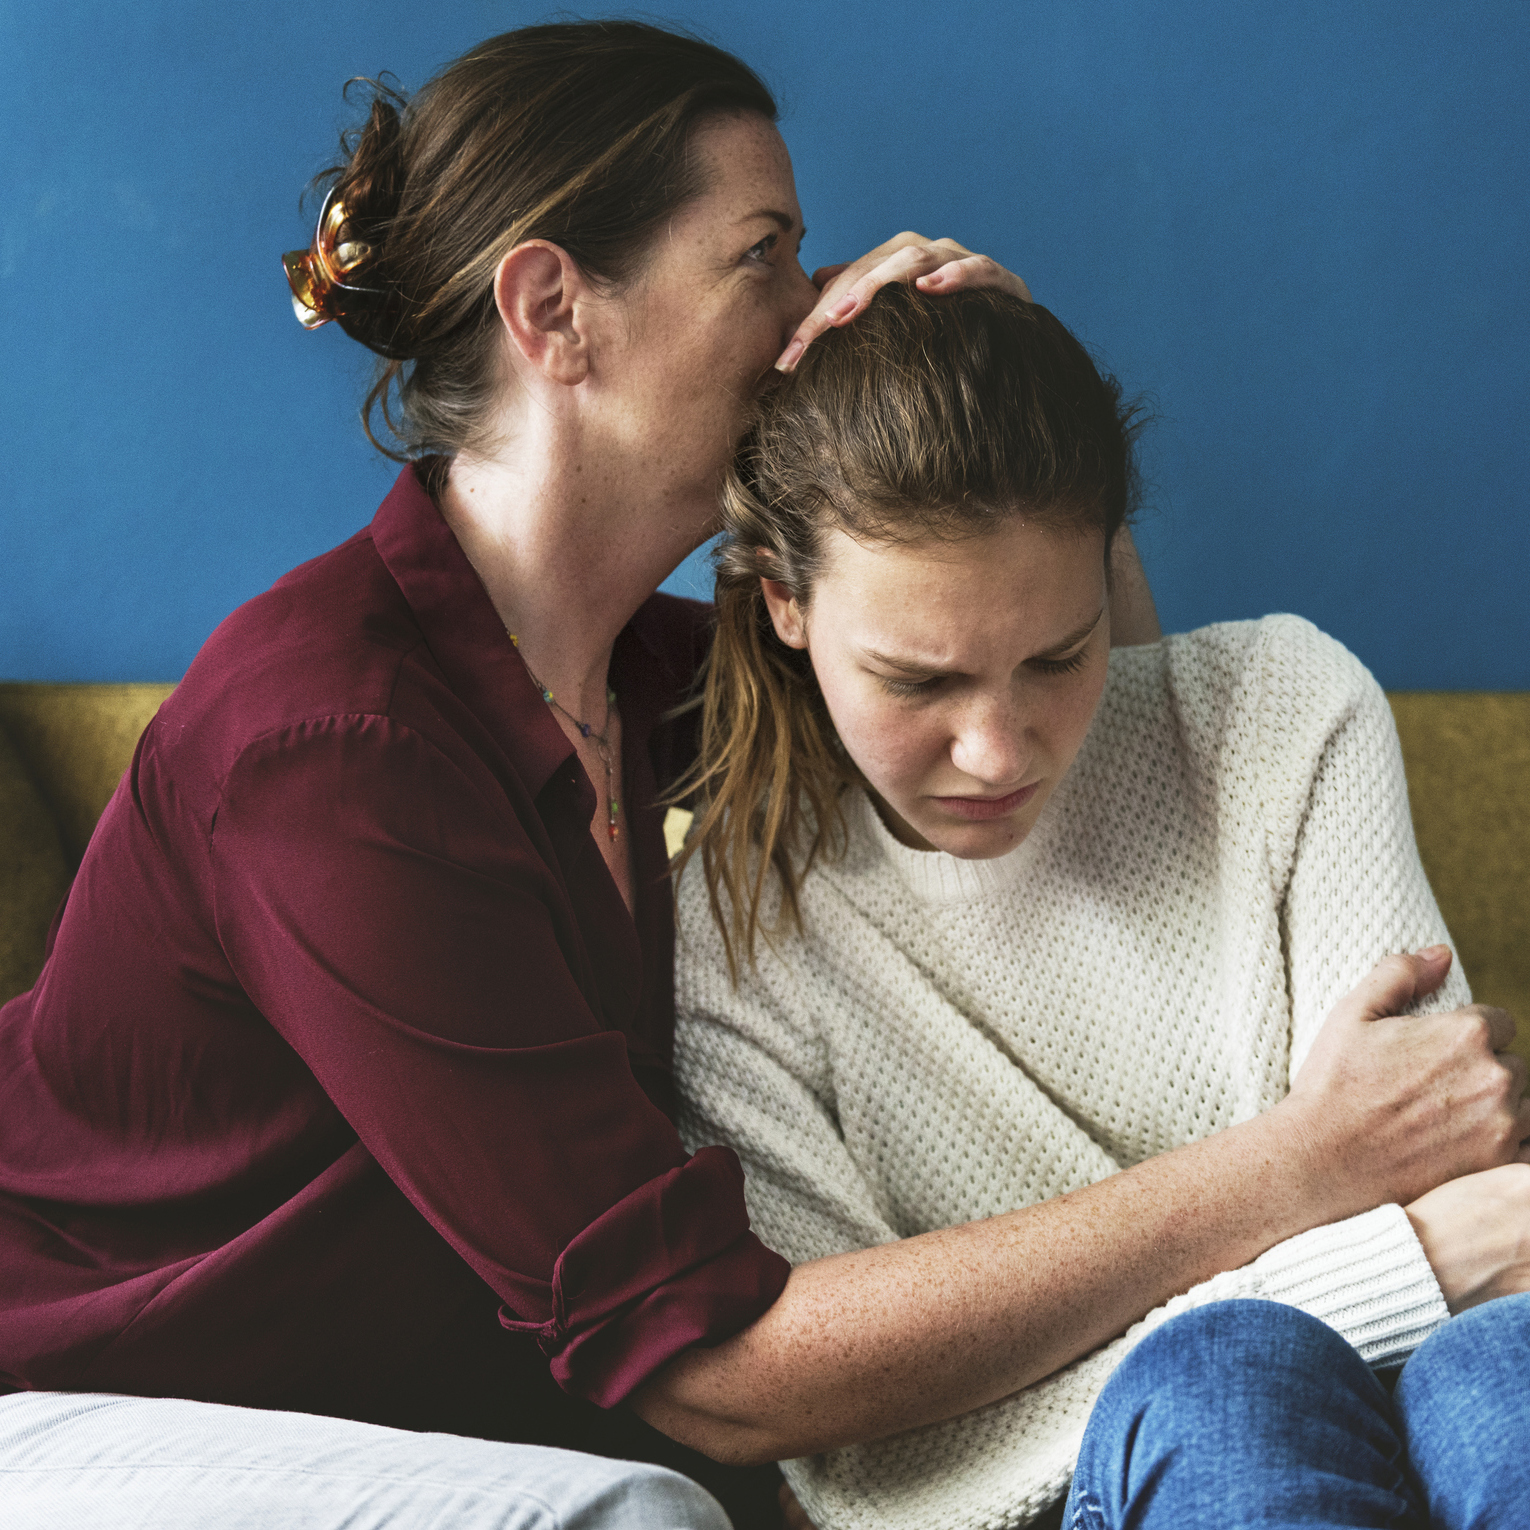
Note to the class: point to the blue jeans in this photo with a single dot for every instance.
(1250, 1413)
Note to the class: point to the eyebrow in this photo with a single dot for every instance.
(1073, 638)
(915, 667)
(785, 220)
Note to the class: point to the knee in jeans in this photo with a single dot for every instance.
(1482, 1348)
(1207, 1344)
(1503, 1321)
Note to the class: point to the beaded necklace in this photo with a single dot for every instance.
(586, 730)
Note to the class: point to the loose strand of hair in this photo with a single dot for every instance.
(380, 399)
(764, 768)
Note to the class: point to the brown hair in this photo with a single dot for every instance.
(578, 133)
(925, 417)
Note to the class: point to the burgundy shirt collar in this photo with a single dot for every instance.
(464, 632)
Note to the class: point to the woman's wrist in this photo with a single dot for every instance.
(1475, 1232)
(1302, 1185)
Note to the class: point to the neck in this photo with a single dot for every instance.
(568, 547)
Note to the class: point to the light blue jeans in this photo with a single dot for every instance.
(1245, 1414)
(89, 1462)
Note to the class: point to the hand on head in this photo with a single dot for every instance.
(936, 266)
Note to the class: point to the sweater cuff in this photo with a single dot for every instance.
(1367, 1277)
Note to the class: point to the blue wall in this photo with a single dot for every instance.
(1301, 229)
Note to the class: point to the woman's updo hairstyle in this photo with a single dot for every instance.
(927, 417)
(578, 133)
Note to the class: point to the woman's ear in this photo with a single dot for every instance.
(541, 294)
(785, 613)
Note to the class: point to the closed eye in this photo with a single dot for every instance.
(910, 687)
(1061, 666)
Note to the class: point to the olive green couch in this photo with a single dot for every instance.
(63, 748)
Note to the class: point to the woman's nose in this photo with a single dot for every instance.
(990, 745)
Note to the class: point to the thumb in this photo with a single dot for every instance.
(1396, 981)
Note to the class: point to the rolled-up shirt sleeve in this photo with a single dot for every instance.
(380, 899)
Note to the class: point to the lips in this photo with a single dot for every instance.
(981, 809)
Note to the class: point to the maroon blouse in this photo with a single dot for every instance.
(347, 1046)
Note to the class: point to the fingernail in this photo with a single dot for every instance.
(1435, 952)
(842, 309)
(789, 356)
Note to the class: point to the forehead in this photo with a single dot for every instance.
(745, 170)
(1021, 582)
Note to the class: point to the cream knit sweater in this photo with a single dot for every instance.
(952, 1039)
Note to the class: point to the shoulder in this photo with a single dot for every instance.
(1276, 686)
(1287, 652)
(776, 979)
(701, 953)
(741, 1035)
(1240, 713)
(332, 643)
(329, 636)
(1274, 659)
(795, 966)
(1267, 707)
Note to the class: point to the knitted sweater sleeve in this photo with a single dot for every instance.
(1357, 889)
(754, 1073)
(753, 1070)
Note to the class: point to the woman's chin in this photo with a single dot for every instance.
(977, 842)
(965, 838)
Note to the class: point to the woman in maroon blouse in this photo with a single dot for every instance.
(344, 1090)
(345, 1087)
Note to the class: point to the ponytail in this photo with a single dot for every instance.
(770, 770)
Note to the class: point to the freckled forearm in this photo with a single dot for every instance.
(869, 1343)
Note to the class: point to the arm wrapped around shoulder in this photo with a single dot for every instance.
(387, 911)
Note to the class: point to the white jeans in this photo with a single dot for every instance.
(80, 1461)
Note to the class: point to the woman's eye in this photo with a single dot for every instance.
(761, 251)
(909, 687)
(1061, 666)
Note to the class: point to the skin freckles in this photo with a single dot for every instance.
(961, 676)
(686, 348)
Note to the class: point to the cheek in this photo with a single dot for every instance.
(1074, 711)
(891, 744)
(752, 334)
(710, 383)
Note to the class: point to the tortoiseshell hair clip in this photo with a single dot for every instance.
(317, 274)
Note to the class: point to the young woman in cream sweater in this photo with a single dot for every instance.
(992, 935)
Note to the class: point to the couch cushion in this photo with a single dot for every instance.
(1468, 760)
(34, 872)
(77, 740)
